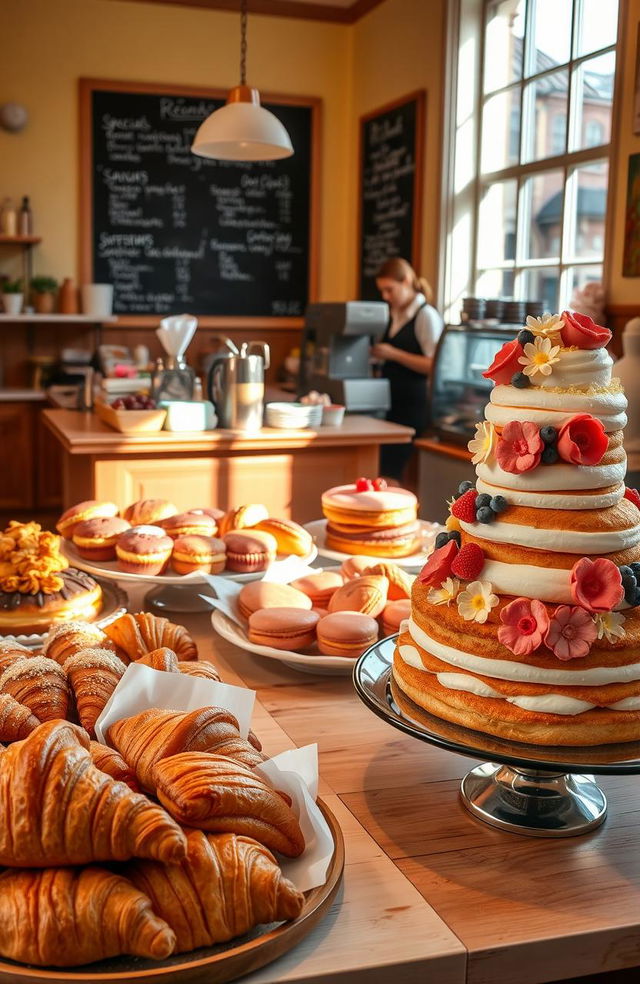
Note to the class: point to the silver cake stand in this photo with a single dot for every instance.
(535, 790)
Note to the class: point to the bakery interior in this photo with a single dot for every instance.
(318, 662)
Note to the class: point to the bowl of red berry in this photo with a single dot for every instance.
(135, 413)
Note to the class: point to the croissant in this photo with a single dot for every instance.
(214, 792)
(161, 659)
(138, 634)
(108, 760)
(93, 675)
(16, 720)
(39, 683)
(145, 738)
(63, 917)
(10, 652)
(199, 668)
(58, 809)
(226, 885)
(65, 639)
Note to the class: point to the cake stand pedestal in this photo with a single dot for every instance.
(524, 789)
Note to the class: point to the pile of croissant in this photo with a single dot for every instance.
(159, 842)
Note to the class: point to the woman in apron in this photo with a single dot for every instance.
(406, 352)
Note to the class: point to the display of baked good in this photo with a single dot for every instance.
(176, 887)
(37, 586)
(368, 518)
(525, 621)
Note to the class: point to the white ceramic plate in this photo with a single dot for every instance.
(317, 528)
(109, 569)
(325, 665)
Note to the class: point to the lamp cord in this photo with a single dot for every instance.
(243, 42)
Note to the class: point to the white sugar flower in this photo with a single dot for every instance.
(445, 593)
(539, 356)
(610, 625)
(548, 326)
(476, 601)
(481, 446)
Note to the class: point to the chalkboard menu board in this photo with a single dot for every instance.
(390, 202)
(174, 232)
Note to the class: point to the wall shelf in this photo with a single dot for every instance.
(85, 319)
(20, 240)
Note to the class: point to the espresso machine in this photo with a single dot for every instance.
(334, 355)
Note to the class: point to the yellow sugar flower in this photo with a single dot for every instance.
(482, 445)
(445, 593)
(610, 625)
(548, 326)
(539, 357)
(476, 601)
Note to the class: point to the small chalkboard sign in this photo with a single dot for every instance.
(391, 176)
(174, 232)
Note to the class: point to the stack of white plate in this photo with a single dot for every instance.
(292, 415)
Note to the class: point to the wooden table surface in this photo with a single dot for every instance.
(430, 894)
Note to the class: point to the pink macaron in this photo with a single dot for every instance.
(393, 613)
(346, 634)
(291, 629)
(319, 587)
(249, 551)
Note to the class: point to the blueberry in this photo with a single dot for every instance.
(549, 455)
(455, 535)
(525, 336)
(630, 594)
(498, 503)
(549, 434)
(626, 571)
(636, 600)
(485, 514)
(520, 381)
(629, 584)
(441, 540)
(483, 499)
(635, 567)
(464, 487)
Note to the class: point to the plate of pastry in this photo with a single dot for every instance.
(413, 561)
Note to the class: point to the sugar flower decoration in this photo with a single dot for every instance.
(438, 565)
(445, 594)
(520, 447)
(505, 363)
(571, 632)
(610, 625)
(482, 445)
(596, 584)
(476, 601)
(539, 357)
(524, 623)
(548, 326)
(581, 330)
(582, 440)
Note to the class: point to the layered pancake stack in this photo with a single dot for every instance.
(525, 621)
(367, 518)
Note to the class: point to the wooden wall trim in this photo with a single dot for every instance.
(283, 8)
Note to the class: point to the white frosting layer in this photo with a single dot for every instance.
(603, 405)
(549, 500)
(346, 497)
(626, 704)
(580, 367)
(501, 415)
(558, 541)
(546, 703)
(505, 669)
(527, 581)
(554, 477)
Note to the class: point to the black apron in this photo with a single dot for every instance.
(409, 398)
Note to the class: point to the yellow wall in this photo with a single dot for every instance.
(395, 49)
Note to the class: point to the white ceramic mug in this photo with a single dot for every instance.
(97, 300)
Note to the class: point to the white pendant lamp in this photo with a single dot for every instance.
(242, 129)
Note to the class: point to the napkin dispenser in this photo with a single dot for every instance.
(173, 379)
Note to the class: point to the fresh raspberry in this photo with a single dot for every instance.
(632, 495)
(464, 508)
(439, 565)
(364, 485)
(469, 562)
(379, 484)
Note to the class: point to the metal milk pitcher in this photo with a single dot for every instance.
(236, 386)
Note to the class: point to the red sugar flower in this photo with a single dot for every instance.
(596, 584)
(581, 330)
(520, 447)
(438, 566)
(524, 623)
(505, 363)
(571, 632)
(632, 495)
(582, 440)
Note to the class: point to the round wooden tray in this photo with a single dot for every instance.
(209, 965)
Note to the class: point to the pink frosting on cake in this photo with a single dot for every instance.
(346, 497)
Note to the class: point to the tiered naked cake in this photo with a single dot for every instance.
(524, 621)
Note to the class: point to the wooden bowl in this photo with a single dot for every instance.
(130, 421)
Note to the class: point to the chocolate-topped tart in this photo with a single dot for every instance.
(80, 597)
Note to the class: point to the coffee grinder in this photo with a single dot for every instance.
(334, 356)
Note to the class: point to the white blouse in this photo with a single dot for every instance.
(429, 324)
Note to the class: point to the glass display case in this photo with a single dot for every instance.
(458, 390)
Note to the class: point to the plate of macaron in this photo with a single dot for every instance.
(152, 540)
(371, 519)
(320, 622)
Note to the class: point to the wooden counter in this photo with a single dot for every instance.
(430, 895)
(220, 467)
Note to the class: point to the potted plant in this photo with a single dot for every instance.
(43, 291)
(12, 296)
